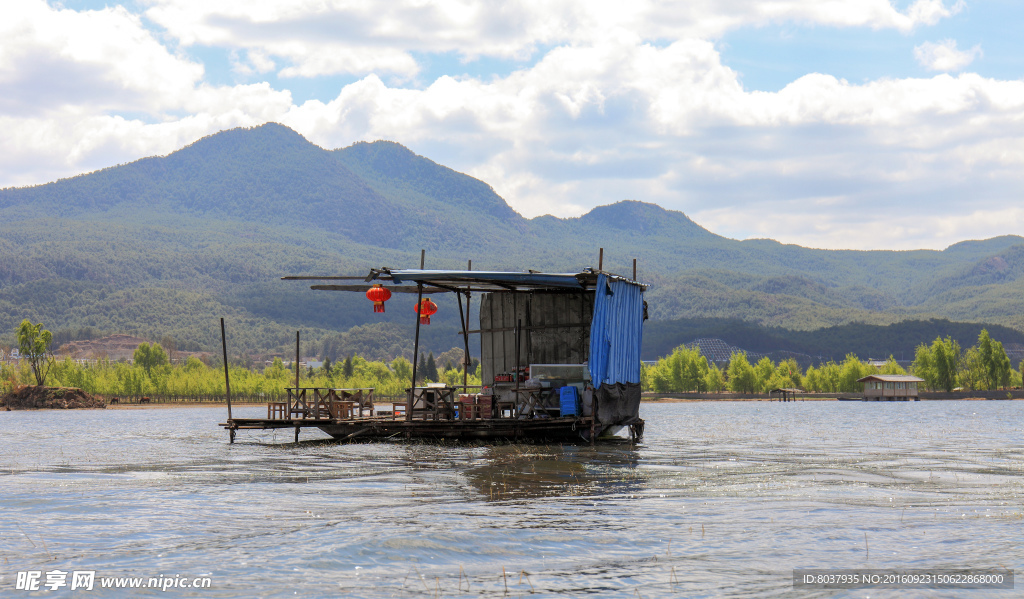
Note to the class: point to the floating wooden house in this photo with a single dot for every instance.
(560, 362)
(891, 387)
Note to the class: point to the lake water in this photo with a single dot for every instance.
(723, 499)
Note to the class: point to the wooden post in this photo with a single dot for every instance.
(227, 378)
(466, 361)
(296, 363)
(519, 340)
(409, 401)
(465, 338)
(600, 259)
(593, 418)
(634, 269)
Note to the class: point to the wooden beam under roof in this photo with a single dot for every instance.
(365, 288)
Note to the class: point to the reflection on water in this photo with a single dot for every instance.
(722, 499)
(509, 472)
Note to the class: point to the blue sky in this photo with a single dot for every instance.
(771, 57)
(828, 123)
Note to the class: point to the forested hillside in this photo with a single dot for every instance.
(166, 245)
(899, 340)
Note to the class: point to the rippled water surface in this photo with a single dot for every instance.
(722, 499)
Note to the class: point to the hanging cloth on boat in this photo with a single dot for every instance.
(616, 332)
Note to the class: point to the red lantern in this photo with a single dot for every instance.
(426, 309)
(378, 294)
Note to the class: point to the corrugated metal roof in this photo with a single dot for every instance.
(469, 280)
(482, 280)
(891, 378)
(486, 278)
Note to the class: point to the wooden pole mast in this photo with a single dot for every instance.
(465, 337)
(416, 342)
(227, 378)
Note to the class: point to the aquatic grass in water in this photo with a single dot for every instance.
(722, 499)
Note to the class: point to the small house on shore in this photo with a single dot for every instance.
(891, 387)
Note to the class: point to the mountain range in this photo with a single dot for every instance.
(163, 246)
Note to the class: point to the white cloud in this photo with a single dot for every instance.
(65, 144)
(944, 56)
(255, 62)
(930, 12)
(68, 76)
(321, 37)
(624, 101)
(895, 230)
(103, 59)
(593, 125)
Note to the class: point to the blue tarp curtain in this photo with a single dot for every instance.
(616, 332)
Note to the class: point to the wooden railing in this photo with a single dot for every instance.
(319, 403)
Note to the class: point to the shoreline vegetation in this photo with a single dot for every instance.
(150, 374)
(983, 370)
(943, 366)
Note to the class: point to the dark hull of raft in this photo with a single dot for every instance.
(548, 430)
(541, 430)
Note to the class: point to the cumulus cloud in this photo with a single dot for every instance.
(69, 76)
(51, 58)
(618, 100)
(254, 62)
(323, 37)
(673, 125)
(944, 56)
(892, 229)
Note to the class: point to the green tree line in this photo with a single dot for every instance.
(151, 373)
(942, 365)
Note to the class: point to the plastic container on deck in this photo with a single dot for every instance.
(569, 397)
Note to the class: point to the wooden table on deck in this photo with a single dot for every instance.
(343, 409)
(530, 401)
(433, 403)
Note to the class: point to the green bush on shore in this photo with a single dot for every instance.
(193, 378)
(942, 365)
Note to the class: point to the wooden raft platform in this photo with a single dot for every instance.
(549, 430)
(350, 414)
